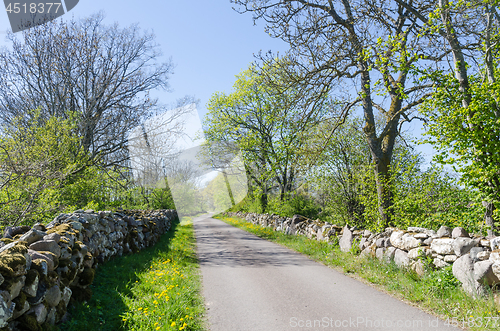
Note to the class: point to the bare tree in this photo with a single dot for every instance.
(103, 73)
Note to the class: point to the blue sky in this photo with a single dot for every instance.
(208, 41)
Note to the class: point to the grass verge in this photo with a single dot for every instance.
(438, 292)
(155, 289)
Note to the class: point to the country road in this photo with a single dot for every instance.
(252, 284)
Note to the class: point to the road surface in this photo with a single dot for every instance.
(252, 284)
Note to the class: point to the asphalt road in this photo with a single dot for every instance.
(252, 284)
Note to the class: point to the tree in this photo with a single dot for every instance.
(269, 126)
(464, 110)
(36, 162)
(104, 74)
(337, 173)
(371, 47)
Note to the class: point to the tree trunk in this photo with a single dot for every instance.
(488, 217)
(263, 200)
(228, 188)
(384, 192)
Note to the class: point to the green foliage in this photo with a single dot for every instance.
(38, 158)
(441, 280)
(345, 180)
(296, 204)
(429, 198)
(467, 138)
(269, 124)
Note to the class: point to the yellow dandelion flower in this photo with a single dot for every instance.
(173, 324)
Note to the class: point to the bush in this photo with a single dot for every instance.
(297, 204)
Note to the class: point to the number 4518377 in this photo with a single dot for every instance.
(33, 8)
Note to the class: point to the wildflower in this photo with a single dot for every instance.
(173, 324)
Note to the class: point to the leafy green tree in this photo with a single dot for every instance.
(36, 162)
(371, 47)
(464, 112)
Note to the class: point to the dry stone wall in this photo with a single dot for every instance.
(475, 260)
(43, 267)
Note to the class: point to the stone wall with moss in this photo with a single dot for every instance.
(43, 267)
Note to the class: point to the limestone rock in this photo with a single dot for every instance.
(47, 246)
(483, 273)
(389, 254)
(485, 243)
(450, 258)
(421, 236)
(416, 229)
(10, 232)
(463, 245)
(396, 238)
(495, 243)
(32, 235)
(42, 256)
(6, 308)
(459, 232)
(53, 296)
(51, 316)
(363, 243)
(380, 242)
(31, 284)
(463, 270)
(428, 241)
(401, 258)
(443, 231)
(484, 255)
(379, 253)
(474, 251)
(26, 306)
(415, 253)
(440, 263)
(495, 256)
(16, 286)
(40, 312)
(53, 236)
(66, 295)
(443, 246)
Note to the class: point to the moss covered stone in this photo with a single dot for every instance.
(29, 322)
(81, 294)
(19, 301)
(13, 260)
(87, 276)
(61, 230)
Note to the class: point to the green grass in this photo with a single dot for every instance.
(155, 289)
(437, 292)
